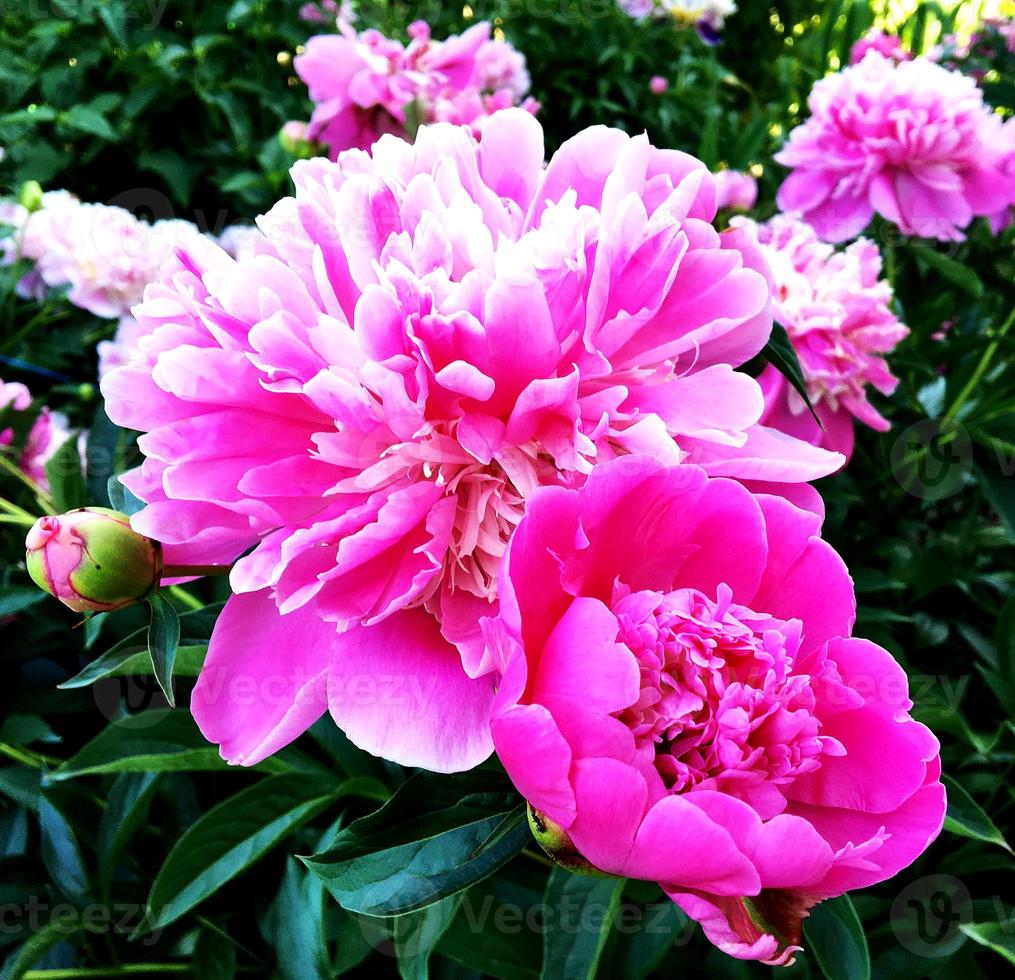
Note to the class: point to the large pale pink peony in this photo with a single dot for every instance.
(837, 312)
(366, 85)
(912, 142)
(682, 702)
(101, 254)
(426, 335)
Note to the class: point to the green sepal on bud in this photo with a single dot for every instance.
(92, 560)
(557, 845)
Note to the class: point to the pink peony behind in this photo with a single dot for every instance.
(48, 433)
(735, 190)
(426, 335)
(837, 312)
(912, 142)
(683, 701)
(367, 85)
(887, 45)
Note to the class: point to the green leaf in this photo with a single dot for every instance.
(60, 851)
(130, 655)
(21, 785)
(61, 928)
(85, 119)
(836, 939)
(17, 598)
(955, 272)
(429, 841)
(163, 641)
(234, 835)
(128, 803)
(66, 481)
(966, 817)
(153, 741)
(998, 936)
(417, 933)
(214, 957)
(781, 354)
(121, 499)
(579, 913)
(295, 926)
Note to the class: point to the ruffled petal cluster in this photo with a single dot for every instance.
(366, 85)
(887, 45)
(911, 141)
(837, 312)
(361, 409)
(735, 190)
(683, 703)
(708, 16)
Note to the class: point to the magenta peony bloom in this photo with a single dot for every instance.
(683, 703)
(837, 312)
(887, 45)
(367, 85)
(911, 141)
(48, 433)
(735, 190)
(426, 336)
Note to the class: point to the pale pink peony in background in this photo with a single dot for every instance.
(885, 44)
(837, 312)
(367, 85)
(430, 333)
(912, 142)
(48, 433)
(735, 190)
(102, 255)
(682, 699)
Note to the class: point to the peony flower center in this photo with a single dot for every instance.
(720, 699)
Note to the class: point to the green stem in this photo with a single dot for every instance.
(190, 571)
(129, 970)
(185, 598)
(45, 500)
(981, 369)
(33, 760)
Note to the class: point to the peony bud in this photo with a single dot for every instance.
(294, 140)
(554, 840)
(658, 84)
(30, 195)
(92, 560)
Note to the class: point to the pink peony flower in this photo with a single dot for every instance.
(367, 85)
(658, 85)
(682, 702)
(837, 312)
(911, 141)
(428, 335)
(887, 45)
(735, 190)
(48, 433)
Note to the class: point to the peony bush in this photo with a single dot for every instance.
(526, 489)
